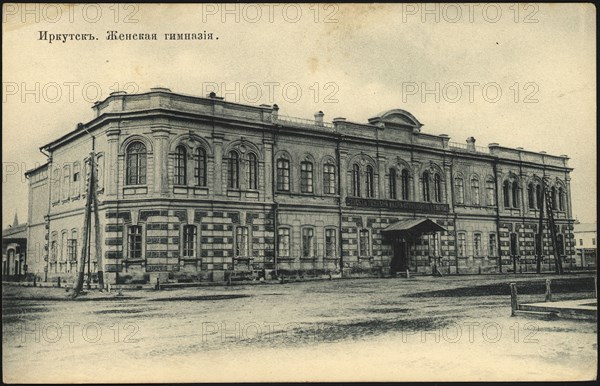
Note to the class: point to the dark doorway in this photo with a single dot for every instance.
(399, 261)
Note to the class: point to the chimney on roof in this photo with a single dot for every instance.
(275, 113)
(319, 118)
(471, 144)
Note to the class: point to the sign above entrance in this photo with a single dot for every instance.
(412, 206)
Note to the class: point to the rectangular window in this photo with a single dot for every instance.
(241, 241)
(580, 241)
(306, 177)
(492, 246)
(330, 243)
(461, 246)
(283, 175)
(283, 240)
(308, 249)
(72, 249)
(329, 179)
(364, 241)
(134, 237)
(593, 241)
(514, 244)
(189, 240)
(477, 244)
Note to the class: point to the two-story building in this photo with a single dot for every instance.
(191, 187)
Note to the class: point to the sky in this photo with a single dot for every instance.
(521, 75)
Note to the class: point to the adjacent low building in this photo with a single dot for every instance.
(193, 187)
(585, 244)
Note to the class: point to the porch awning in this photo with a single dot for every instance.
(414, 227)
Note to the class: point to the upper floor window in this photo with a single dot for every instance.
(531, 196)
(283, 175)
(460, 190)
(66, 181)
(539, 200)
(356, 180)
(308, 245)
(72, 246)
(306, 177)
(329, 178)
(76, 179)
(136, 164)
(437, 185)
(189, 240)
(553, 196)
(475, 191)
(490, 187)
(426, 190)
(506, 193)
(233, 170)
(405, 185)
(561, 199)
(370, 185)
(252, 171)
(200, 170)
(392, 183)
(515, 194)
(241, 241)
(180, 165)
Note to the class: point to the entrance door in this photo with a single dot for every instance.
(399, 262)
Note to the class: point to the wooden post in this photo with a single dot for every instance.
(514, 304)
(548, 291)
(84, 248)
(97, 232)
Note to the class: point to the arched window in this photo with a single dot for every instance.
(356, 180)
(252, 171)
(369, 181)
(460, 190)
(201, 163)
(553, 195)
(405, 185)
(426, 192)
(283, 175)
(515, 194)
(306, 177)
(538, 196)
(392, 183)
(475, 191)
(561, 199)
(329, 178)
(437, 186)
(233, 170)
(490, 187)
(76, 179)
(531, 196)
(506, 193)
(136, 164)
(180, 165)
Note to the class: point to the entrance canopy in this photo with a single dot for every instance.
(413, 227)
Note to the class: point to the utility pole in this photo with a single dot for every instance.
(91, 204)
(540, 235)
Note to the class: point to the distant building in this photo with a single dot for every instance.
(585, 243)
(194, 187)
(14, 251)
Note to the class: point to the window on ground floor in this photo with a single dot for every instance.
(134, 237)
